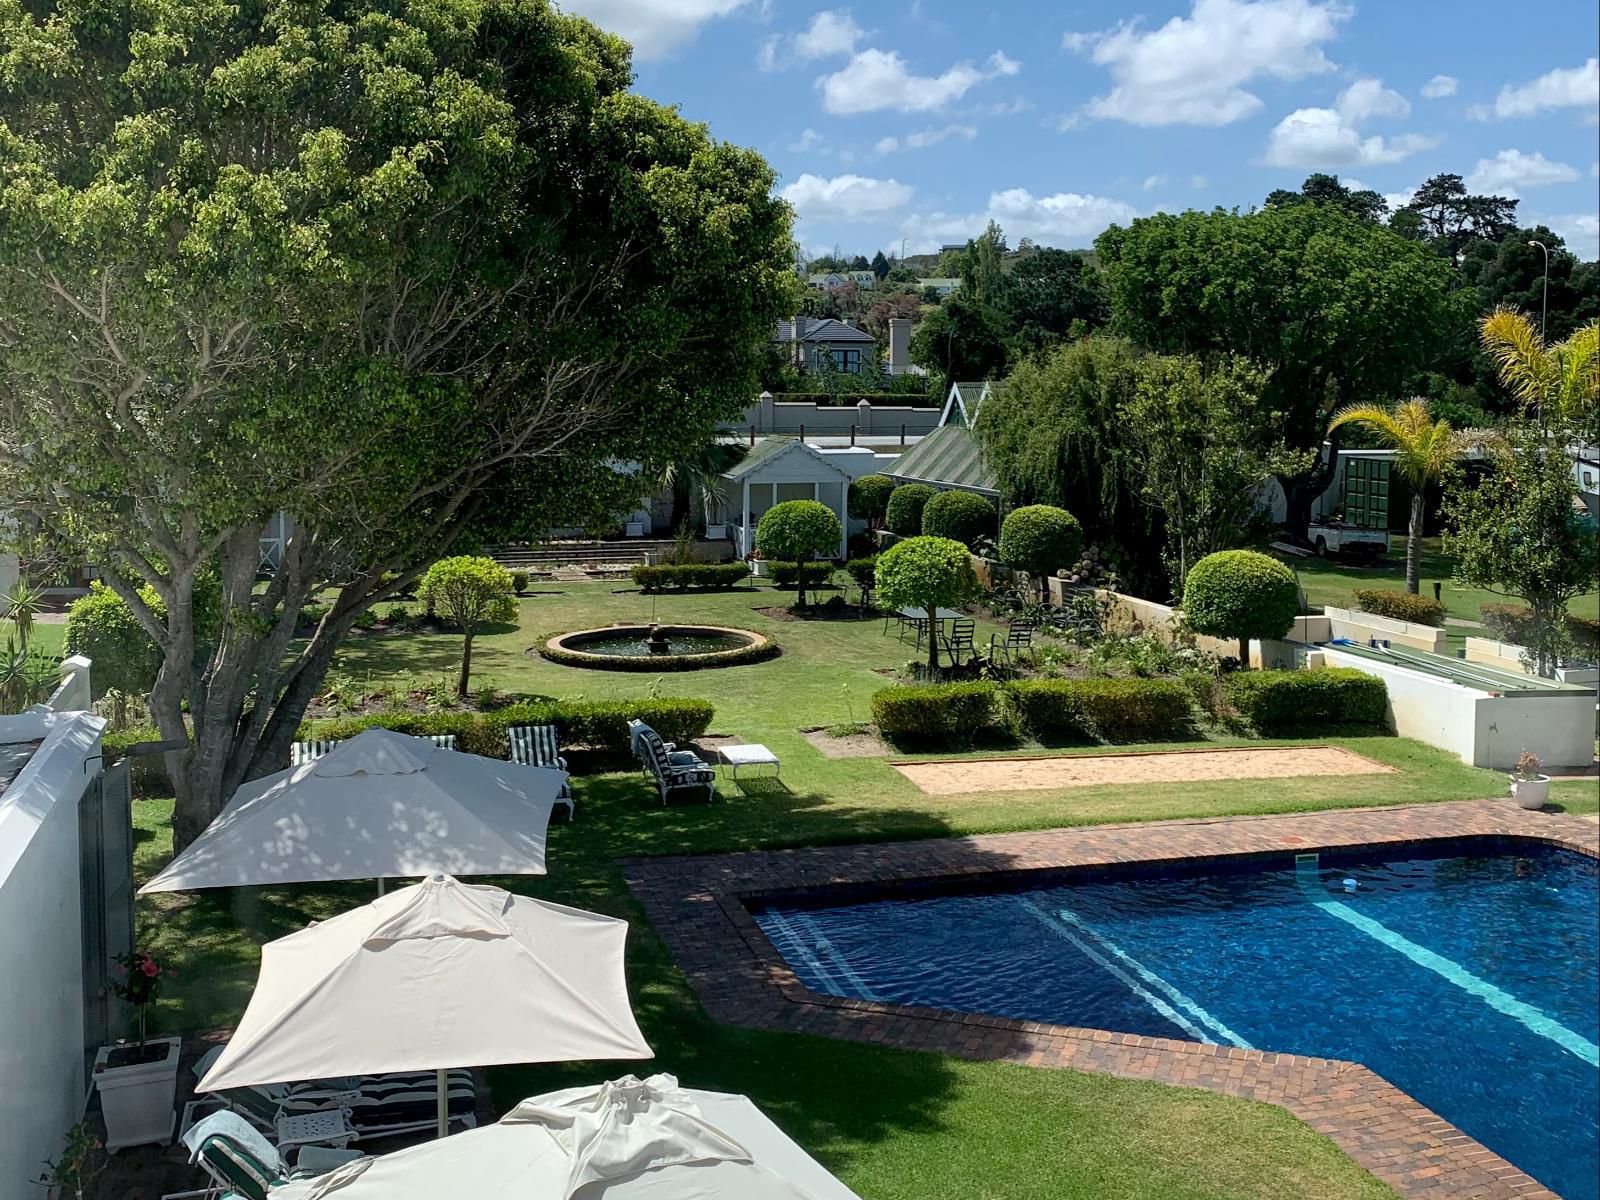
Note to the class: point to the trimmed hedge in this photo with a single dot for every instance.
(1112, 710)
(936, 712)
(1400, 606)
(963, 517)
(754, 653)
(863, 571)
(1510, 623)
(1240, 594)
(1276, 702)
(906, 502)
(658, 577)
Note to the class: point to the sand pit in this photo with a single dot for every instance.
(1171, 766)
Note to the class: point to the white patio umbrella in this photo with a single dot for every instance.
(437, 975)
(381, 805)
(626, 1140)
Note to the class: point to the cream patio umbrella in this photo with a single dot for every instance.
(630, 1139)
(381, 805)
(437, 975)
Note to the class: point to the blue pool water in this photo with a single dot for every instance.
(1467, 977)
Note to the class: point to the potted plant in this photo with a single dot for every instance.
(138, 1082)
(64, 1178)
(1530, 788)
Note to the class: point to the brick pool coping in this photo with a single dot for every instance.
(699, 906)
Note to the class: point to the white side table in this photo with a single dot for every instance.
(753, 755)
(327, 1128)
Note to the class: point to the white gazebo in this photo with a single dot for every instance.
(784, 468)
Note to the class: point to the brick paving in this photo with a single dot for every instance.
(699, 907)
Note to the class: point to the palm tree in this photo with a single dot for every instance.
(20, 607)
(695, 480)
(1424, 449)
(1562, 380)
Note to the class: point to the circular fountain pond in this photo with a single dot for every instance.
(657, 647)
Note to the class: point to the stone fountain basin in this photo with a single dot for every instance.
(622, 648)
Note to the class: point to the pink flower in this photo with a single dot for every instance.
(148, 966)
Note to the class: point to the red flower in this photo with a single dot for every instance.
(148, 966)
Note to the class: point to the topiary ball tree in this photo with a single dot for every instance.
(470, 590)
(929, 573)
(799, 530)
(904, 513)
(102, 627)
(1039, 540)
(1240, 594)
(869, 499)
(960, 516)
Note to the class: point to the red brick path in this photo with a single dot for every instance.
(697, 904)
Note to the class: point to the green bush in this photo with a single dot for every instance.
(801, 530)
(1240, 594)
(862, 571)
(1279, 702)
(102, 627)
(1400, 606)
(868, 498)
(904, 514)
(1513, 623)
(519, 581)
(927, 573)
(960, 516)
(719, 577)
(1112, 710)
(600, 725)
(1040, 539)
(942, 713)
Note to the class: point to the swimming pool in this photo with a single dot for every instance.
(1464, 974)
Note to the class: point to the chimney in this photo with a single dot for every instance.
(899, 345)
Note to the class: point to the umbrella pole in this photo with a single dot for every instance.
(380, 885)
(444, 1102)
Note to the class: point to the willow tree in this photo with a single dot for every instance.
(404, 273)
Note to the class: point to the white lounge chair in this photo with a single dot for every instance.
(243, 1164)
(537, 746)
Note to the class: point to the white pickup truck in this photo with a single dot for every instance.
(1350, 541)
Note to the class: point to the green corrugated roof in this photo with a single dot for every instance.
(947, 457)
(764, 449)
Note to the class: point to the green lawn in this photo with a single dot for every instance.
(893, 1123)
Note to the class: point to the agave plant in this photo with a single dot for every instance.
(25, 678)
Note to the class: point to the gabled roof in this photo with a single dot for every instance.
(823, 329)
(965, 399)
(768, 450)
(948, 457)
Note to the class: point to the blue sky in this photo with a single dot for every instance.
(919, 119)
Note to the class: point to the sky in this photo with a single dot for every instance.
(913, 122)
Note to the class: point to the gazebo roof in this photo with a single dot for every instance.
(768, 450)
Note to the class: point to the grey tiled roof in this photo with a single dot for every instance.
(824, 329)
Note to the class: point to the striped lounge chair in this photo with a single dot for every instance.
(309, 751)
(676, 772)
(243, 1164)
(537, 746)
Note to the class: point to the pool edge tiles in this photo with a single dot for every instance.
(699, 906)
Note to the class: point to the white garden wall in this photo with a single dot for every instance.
(1364, 626)
(41, 986)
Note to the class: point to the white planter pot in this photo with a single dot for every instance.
(1531, 794)
(633, 529)
(716, 533)
(758, 568)
(138, 1100)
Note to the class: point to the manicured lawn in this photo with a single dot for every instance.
(894, 1124)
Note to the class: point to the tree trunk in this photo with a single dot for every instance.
(933, 642)
(1414, 541)
(1244, 654)
(466, 665)
(800, 583)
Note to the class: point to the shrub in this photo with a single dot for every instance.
(366, 619)
(800, 530)
(1114, 710)
(868, 498)
(904, 514)
(1040, 539)
(783, 574)
(397, 614)
(519, 582)
(1240, 594)
(960, 516)
(1514, 623)
(863, 571)
(935, 713)
(104, 628)
(600, 725)
(720, 577)
(1400, 606)
(927, 573)
(471, 591)
(1275, 702)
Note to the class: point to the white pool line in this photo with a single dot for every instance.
(1496, 998)
(839, 961)
(803, 951)
(1213, 1029)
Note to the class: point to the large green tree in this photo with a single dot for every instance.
(405, 273)
(963, 339)
(1448, 217)
(1362, 203)
(1341, 310)
(1052, 294)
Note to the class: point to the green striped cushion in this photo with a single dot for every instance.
(236, 1168)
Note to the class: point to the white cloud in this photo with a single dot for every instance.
(1565, 87)
(808, 139)
(1581, 232)
(845, 197)
(1065, 218)
(1368, 98)
(878, 79)
(1198, 182)
(923, 138)
(1320, 137)
(1398, 200)
(1512, 169)
(1439, 87)
(655, 27)
(1151, 182)
(830, 33)
(1192, 70)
